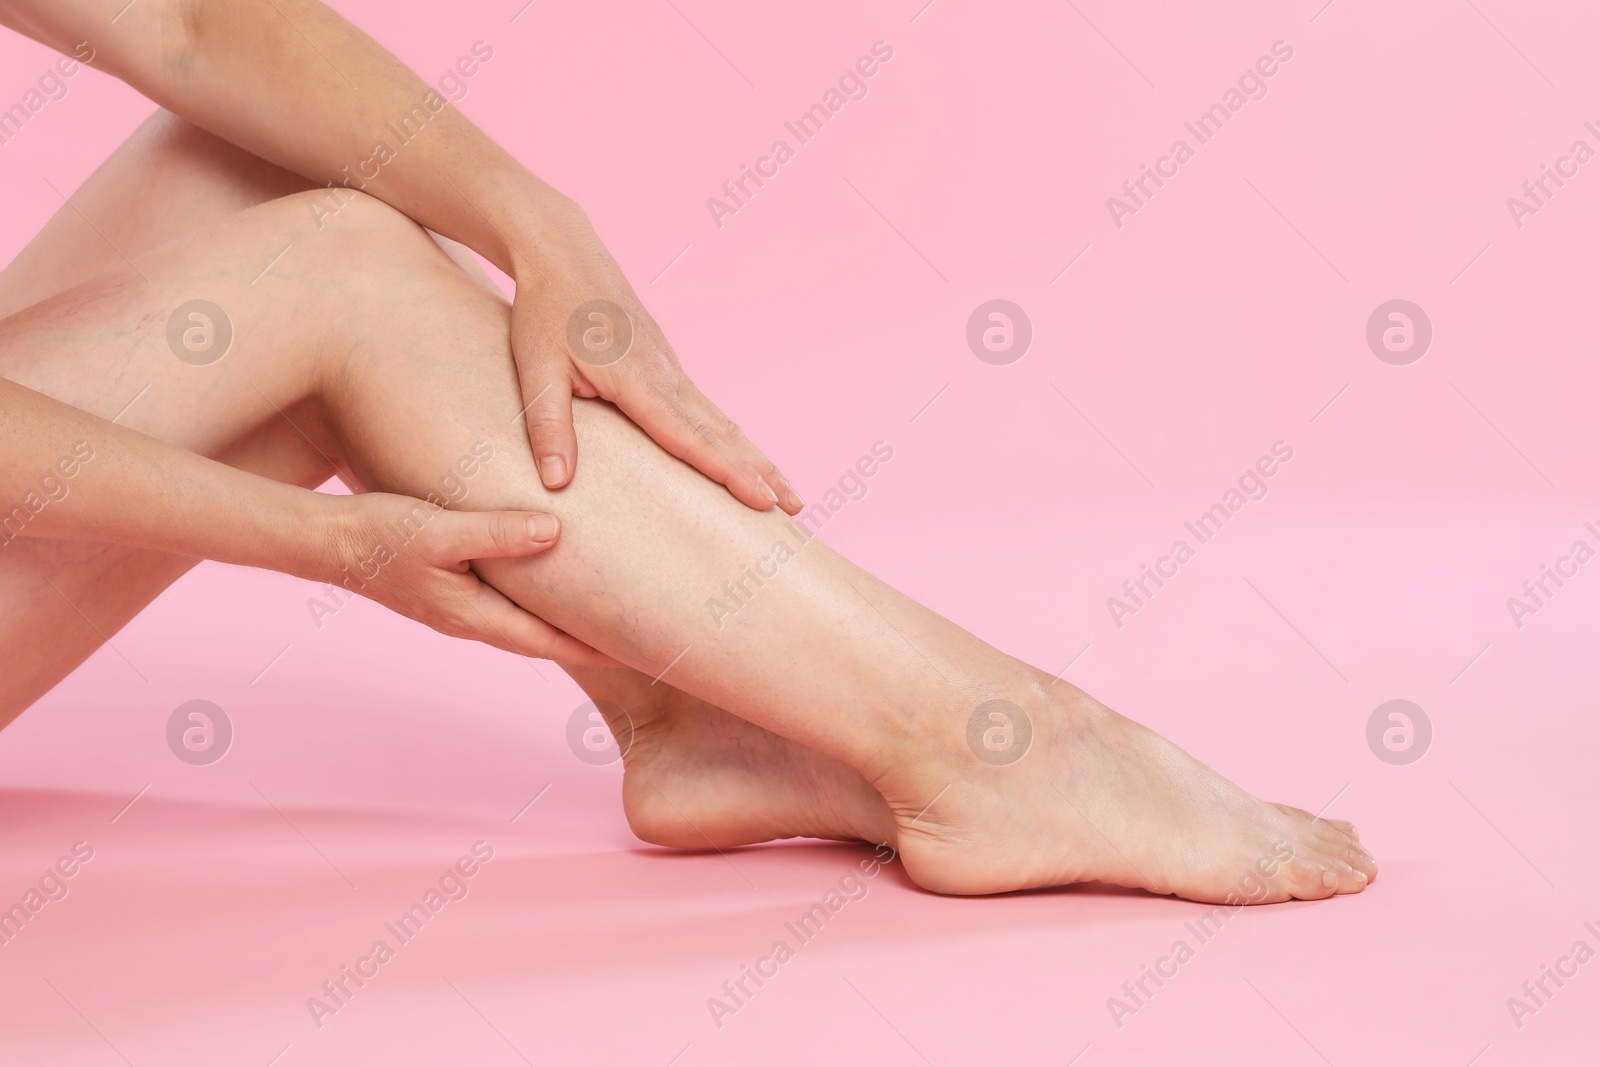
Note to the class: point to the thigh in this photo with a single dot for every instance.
(168, 180)
(350, 338)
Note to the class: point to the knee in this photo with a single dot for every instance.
(169, 140)
(166, 128)
(172, 147)
(350, 218)
(369, 256)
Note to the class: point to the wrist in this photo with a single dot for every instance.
(547, 230)
(321, 529)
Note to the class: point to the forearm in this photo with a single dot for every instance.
(67, 474)
(295, 83)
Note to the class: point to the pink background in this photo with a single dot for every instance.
(824, 316)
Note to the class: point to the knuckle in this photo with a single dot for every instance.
(666, 382)
(502, 532)
(663, 371)
(548, 418)
(702, 444)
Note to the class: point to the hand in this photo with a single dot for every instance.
(578, 329)
(415, 558)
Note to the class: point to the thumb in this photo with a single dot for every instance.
(469, 535)
(555, 446)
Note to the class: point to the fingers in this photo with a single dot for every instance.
(721, 435)
(683, 421)
(549, 418)
(491, 618)
(459, 536)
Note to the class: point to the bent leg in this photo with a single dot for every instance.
(693, 769)
(167, 180)
(409, 368)
(693, 765)
(753, 614)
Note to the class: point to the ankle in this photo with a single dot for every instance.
(995, 720)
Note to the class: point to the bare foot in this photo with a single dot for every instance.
(1093, 796)
(697, 777)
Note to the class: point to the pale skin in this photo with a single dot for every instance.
(829, 705)
(293, 83)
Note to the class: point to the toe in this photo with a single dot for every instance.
(1329, 857)
(1324, 844)
(1334, 842)
(1361, 860)
(1348, 829)
(1309, 879)
(1344, 827)
(1345, 865)
(1348, 878)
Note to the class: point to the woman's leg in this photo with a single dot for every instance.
(693, 770)
(400, 365)
(167, 180)
(65, 598)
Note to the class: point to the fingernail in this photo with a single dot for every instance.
(1360, 877)
(1329, 879)
(766, 490)
(794, 497)
(543, 527)
(552, 469)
